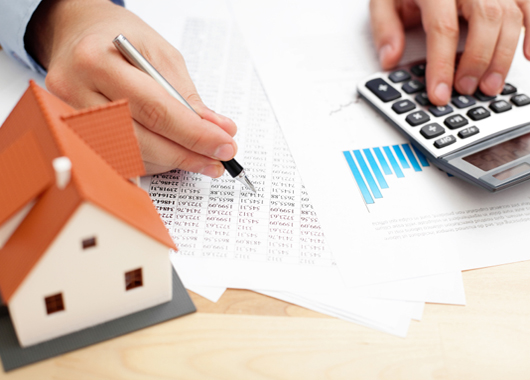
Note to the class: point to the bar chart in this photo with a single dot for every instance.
(372, 167)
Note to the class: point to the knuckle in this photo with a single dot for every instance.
(193, 98)
(152, 115)
(504, 54)
(193, 141)
(478, 61)
(177, 161)
(489, 10)
(86, 54)
(514, 13)
(445, 26)
(181, 161)
(57, 83)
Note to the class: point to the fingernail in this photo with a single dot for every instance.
(384, 52)
(213, 171)
(494, 82)
(468, 85)
(224, 152)
(442, 92)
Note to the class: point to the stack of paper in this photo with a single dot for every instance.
(273, 242)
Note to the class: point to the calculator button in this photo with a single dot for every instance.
(478, 113)
(463, 101)
(500, 106)
(418, 70)
(399, 76)
(402, 106)
(455, 121)
(445, 141)
(417, 118)
(432, 130)
(482, 96)
(468, 132)
(413, 86)
(440, 110)
(508, 89)
(382, 90)
(520, 100)
(422, 99)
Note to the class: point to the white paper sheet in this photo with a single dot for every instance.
(226, 235)
(209, 292)
(229, 237)
(315, 54)
(199, 269)
(397, 323)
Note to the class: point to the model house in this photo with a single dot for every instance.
(80, 243)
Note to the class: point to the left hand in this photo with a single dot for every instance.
(494, 30)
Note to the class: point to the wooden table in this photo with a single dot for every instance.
(250, 336)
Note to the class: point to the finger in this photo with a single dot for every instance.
(173, 67)
(206, 113)
(160, 155)
(524, 6)
(485, 22)
(155, 109)
(387, 31)
(409, 13)
(493, 80)
(440, 21)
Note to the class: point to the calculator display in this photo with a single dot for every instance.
(500, 154)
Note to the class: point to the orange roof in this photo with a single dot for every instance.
(25, 172)
(93, 180)
(34, 235)
(109, 131)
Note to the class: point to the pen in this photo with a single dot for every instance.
(136, 59)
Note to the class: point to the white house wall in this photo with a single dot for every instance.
(92, 281)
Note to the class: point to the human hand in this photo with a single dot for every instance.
(494, 29)
(72, 39)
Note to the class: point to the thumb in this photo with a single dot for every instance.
(387, 31)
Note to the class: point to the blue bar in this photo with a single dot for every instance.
(375, 169)
(393, 162)
(412, 158)
(367, 174)
(421, 157)
(358, 178)
(401, 157)
(382, 161)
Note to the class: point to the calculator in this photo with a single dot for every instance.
(482, 139)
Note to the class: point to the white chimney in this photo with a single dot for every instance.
(63, 167)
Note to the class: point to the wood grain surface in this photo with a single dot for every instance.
(250, 336)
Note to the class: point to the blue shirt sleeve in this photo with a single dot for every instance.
(14, 17)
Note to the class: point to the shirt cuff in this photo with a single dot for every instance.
(14, 18)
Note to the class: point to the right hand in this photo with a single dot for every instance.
(494, 30)
(72, 39)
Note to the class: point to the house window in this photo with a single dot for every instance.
(133, 279)
(54, 303)
(88, 243)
